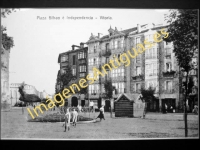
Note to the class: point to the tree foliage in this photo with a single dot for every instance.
(190, 85)
(148, 94)
(7, 41)
(7, 11)
(183, 31)
(109, 88)
(65, 78)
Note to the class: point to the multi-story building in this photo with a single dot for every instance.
(156, 67)
(77, 60)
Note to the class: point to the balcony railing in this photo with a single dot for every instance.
(169, 73)
(105, 52)
(82, 61)
(151, 57)
(64, 64)
(169, 91)
(138, 77)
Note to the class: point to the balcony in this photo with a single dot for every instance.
(151, 57)
(82, 61)
(169, 74)
(138, 78)
(169, 91)
(105, 52)
(64, 64)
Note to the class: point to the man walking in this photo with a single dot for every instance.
(74, 117)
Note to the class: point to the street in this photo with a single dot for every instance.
(155, 125)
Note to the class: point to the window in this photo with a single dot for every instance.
(138, 71)
(74, 59)
(169, 85)
(155, 70)
(138, 59)
(115, 44)
(64, 58)
(82, 75)
(118, 44)
(107, 46)
(138, 87)
(151, 53)
(93, 89)
(137, 40)
(95, 47)
(81, 55)
(168, 66)
(122, 43)
(119, 86)
(117, 72)
(74, 71)
(82, 68)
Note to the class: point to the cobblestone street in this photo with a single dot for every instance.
(156, 125)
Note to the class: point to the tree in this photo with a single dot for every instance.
(183, 32)
(65, 78)
(6, 11)
(7, 41)
(147, 96)
(109, 88)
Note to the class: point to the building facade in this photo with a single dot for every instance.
(5, 56)
(156, 67)
(77, 60)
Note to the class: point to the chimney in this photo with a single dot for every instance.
(72, 47)
(81, 45)
(138, 28)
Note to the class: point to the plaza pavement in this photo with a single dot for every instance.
(156, 125)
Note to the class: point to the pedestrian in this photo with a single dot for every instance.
(74, 117)
(165, 108)
(171, 109)
(91, 106)
(67, 120)
(101, 114)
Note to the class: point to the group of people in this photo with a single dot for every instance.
(68, 116)
(170, 108)
(74, 116)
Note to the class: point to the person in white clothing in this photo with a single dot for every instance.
(101, 114)
(67, 119)
(91, 106)
(74, 117)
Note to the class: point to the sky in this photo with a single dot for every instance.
(38, 42)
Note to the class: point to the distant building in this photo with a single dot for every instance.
(15, 95)
(77, 59)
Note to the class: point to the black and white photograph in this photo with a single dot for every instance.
(99, 73)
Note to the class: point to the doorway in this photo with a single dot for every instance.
(170, 102)
(107, 105)
(74, 102)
